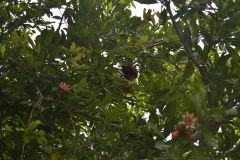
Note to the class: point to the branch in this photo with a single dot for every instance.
(30, 116)
(186, 46)
(151, 46)
(55, 101)
(168, 61)
(22, 153)
(235, 146)
(231, 116)
(60, 23)
(155, 45)
(201, 69)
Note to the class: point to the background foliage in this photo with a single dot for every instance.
(100, 117)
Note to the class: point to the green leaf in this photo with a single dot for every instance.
(15, 38)
(155, 129)
(197, 155)
(80, 84)
(121, 51)
(195, 28)
(48, 38)
(33, 125)
(10, 144)
(143, 39)
(232, 22)
(27, 138)
(55, 156)
(147, 1)
(110, 6)
(163, 17)
(188, 70)
(57, 17)
(161, 146)
(41, 139)
(87, 6)
(217, 114)
(210, 139)
(231, 111)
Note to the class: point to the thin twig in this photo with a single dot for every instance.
(71, 119)
(169, 61)
(22, 153)
(52, 100)
(235, 146)
(60, 23)
(201, 69)
(41, 96)
(38, 103)
(151, 46)
(166, 156)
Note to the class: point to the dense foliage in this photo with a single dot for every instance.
(69, 91)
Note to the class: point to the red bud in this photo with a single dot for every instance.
(189, 135)
(123, 94)
(123, 81)
(175, 134)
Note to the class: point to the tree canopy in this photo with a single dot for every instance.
(98, 83)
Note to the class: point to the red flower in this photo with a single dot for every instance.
(175, 134)
(63, 87)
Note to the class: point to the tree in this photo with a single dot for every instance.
(71, 92)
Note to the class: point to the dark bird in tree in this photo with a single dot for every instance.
(130, 72)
